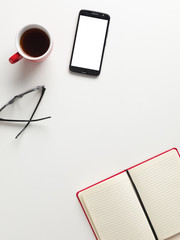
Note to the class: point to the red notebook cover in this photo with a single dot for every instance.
(114, 176)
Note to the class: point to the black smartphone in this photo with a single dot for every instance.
(89, 42)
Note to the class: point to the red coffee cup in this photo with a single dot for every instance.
(34, 43)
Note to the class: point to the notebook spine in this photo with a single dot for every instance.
(142, 205)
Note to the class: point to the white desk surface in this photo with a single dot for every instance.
(99, 126)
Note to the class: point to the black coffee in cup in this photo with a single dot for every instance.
(34, 42)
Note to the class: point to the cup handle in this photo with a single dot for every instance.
(15, 58)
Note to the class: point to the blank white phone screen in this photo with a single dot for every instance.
(89, 42)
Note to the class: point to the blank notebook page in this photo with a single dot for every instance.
(158, 183)
(114, 210)
(175, 237)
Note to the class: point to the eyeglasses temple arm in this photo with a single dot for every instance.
(17, 120)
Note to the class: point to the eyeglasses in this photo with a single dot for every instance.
(38, 88)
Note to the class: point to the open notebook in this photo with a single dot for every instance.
(140, 203)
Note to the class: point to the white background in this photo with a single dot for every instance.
(99, 126)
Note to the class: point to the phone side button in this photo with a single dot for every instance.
(83, 72)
